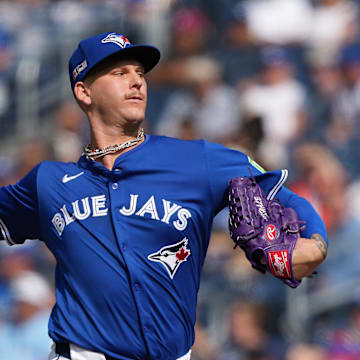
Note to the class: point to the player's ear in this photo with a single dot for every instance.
(82, 93)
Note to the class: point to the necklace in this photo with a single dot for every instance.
(96, 153)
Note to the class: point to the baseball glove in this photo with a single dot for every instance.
(263, 228)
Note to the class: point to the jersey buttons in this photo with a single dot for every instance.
(137, 286)
(147, 328)
(114, 186)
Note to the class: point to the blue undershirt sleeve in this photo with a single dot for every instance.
(305, 211)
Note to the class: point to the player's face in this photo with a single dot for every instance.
(119, 92)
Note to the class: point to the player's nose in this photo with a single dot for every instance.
(136, 80)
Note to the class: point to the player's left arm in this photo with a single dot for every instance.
(311, 249)
(224, 164)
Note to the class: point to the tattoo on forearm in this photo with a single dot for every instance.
(320, 243)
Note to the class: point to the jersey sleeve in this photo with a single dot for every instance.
(19, 215)
(224, 164)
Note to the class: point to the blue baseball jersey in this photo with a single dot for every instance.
(130, 243)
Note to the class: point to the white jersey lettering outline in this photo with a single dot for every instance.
(181, 223)
(149, 207)
(68, 218)
(98, 208)
(59, 223)
(169, 210)
(132, 208)
(86, 208)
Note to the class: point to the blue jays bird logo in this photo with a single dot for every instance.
(172, 256)
(117, 39)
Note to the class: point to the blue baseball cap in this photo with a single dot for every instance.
(93, 50)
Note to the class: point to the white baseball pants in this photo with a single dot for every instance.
(78, 353)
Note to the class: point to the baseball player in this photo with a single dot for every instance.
(129, 224)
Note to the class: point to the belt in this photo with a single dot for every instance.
(63, 349)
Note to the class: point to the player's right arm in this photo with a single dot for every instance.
(311, 249)
(308, 255)
(19, 213)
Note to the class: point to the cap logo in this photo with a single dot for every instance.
(117, 39)
(81, 67)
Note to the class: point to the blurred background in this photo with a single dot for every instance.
(277, 79)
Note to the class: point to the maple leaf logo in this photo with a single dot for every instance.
(182, 254)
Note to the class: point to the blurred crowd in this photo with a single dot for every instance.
(277, 79)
